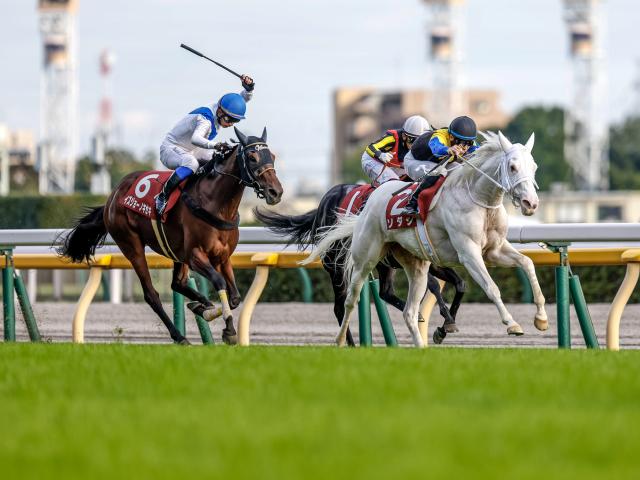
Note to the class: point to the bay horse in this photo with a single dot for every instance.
(468, 226)
(306, 230)
(201, 231)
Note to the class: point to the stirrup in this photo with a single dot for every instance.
(409, 210)
(160, 205)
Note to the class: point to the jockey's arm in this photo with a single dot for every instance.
(246, 95)
(201, 133)
(384, 144)
(437, 145)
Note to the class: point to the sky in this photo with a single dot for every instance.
(298, 52)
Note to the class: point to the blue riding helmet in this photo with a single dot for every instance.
(463, 128)
(233, 105)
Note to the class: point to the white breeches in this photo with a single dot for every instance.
(377, 172)
(416, 169)
(173, 156)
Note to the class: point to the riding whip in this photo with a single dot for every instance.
(195, 52)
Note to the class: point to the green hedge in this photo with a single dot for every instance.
(600, 284)
(45, 212)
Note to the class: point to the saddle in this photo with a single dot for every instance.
(395, 207)
(140, 197)
(356, 199)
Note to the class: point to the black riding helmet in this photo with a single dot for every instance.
(463, 128)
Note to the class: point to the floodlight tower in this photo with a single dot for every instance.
(100, 179)
(586, 128)
(58, 107)
(444, 31)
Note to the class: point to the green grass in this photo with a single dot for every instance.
(122, 411)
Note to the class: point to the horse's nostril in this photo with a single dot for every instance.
(273, 192)
(526, 204)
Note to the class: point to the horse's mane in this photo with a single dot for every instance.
(486, 151)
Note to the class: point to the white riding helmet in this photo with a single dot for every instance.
(416, 125)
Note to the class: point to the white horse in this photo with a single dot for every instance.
(467, 226)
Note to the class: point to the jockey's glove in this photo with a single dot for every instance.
(247, 83)
(385, 157)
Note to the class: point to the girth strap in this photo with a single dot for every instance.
(207, 217)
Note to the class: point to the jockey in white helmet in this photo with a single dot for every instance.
(383, 159)
(196, 131)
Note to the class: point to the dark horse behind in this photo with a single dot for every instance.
(201, 231)
(303, 230)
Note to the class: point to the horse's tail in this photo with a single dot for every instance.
(304, 230)
(340, 234)
(299, 229)
(89, 233)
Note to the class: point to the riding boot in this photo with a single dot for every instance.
(412, 206)
(163, 197)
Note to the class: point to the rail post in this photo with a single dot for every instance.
(86, 297)
(8, 301)
(383, 314)
(25, 306)
(307, 287)
(203, 326)
(262, 261)
(584, 317)
(178, 313)
(562, 293)
(364, 316)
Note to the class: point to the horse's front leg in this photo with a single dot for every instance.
(470, 256)
(200, 263)
(508, 256)
(226, 270)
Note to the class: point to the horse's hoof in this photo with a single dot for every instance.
(184, 341)
(541, 324)
(515, 330)
(229, 338)
(451, 328)
(438, 335)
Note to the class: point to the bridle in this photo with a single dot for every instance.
(249, 177)
(504, 183)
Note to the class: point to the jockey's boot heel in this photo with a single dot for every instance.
(412, 207)
(163, 197)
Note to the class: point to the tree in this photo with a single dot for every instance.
(624, 155)
(120, 162)
(548, 125)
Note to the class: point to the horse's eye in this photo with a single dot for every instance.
(513, 169)
(253, 159)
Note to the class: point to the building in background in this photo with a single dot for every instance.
(17, 161)
(360, 115)
(57, 149)
(100, 178)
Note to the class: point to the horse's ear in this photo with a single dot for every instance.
(264, 135)
(241, 136)
(504, 142)
(530, 142)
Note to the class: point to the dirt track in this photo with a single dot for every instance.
(299, 324)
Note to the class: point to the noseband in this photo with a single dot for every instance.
(249, 177)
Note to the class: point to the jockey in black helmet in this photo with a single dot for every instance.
(456, 141)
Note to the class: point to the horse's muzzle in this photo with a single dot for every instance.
(272, 195)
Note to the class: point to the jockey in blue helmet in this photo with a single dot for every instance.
(180, 149)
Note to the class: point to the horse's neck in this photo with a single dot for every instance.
(482, 189)
(221, 194)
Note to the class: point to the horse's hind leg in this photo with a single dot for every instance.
(386, 275)
(133, 249)
(417, 271)
(339, 294)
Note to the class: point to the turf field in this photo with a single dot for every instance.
(123, 411)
